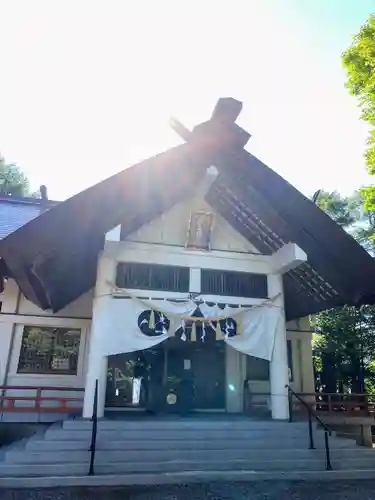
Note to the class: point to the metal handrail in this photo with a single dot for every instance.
(94, 420)
(323, 424)
(311, 413)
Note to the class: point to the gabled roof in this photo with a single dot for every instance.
(16, 211)
(54, 257)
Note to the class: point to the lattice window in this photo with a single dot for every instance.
(49, 350)
(153, 277)
(234, 284)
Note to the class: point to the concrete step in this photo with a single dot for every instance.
(164, 455)
(194, 465)
(184, 477)
(144, 448)
(158, 444)
(43, 470)
(128, 433)
(178, 424)
(182, 466)
(313, 464)
(213, 454)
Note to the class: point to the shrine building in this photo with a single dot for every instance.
(182, 284)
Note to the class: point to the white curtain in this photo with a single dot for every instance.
(256, 326)
(124, 333)
(257, 332)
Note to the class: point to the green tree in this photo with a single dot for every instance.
(345, 343)
(363, 230)
(349, 213)
(346, 346)
(343, 210)
(13, 181)
(359, 62)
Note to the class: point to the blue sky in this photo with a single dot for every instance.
(88, 87)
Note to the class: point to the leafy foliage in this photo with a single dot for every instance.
(345, 346)
(345, 211)
(12, 180)
(359, 62)
(349, 213)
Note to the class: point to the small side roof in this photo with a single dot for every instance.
(16, 211)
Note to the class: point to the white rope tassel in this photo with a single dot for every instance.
(203, 332)
(218, 330)
(151, 323)
(226, 334)
(194, 332)
(183, 335)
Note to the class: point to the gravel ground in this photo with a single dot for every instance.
(335, 490)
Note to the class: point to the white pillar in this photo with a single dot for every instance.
(97, 370)
(97, 363)
(279, 376)
(307, 367)
(234, 380)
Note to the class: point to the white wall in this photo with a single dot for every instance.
(234, 380)
(17, 312)
(300, 333)
(14, 302)
(303, 376)
(129, 251)
(171, 229)
(80, 308)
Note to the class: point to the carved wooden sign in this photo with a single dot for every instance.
(200, 230)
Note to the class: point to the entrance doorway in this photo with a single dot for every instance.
(173, 377)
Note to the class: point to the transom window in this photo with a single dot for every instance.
(49, 350)
(234, 284)
(153, 277)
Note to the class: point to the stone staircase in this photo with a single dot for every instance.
(156, 450)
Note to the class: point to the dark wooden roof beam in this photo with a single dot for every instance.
(247, 214)
(326, 283)
(261, 225)
(319, 289)
(300, 284)
(250, 200)
(239, 204)
(300, 212)
(248, 223)
(251, 207)
(246, 230)
(313, 283)
(291, 232)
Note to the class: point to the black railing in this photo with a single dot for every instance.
(311, 414)
(94, 420)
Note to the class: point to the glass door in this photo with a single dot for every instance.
(173, 377)
(208, 366)
(129, 378)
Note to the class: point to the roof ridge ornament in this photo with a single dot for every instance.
(220, 128)
(227, 110)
